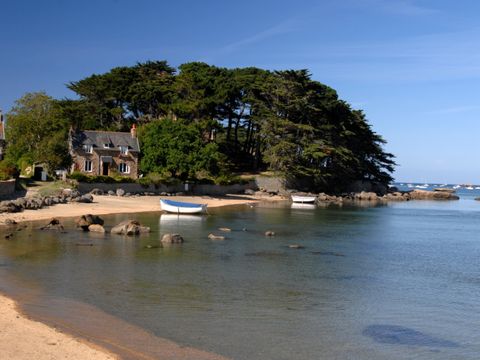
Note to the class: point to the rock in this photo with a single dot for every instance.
(130, 227)
(366, 196)
(172, 239)
(269, 233)
(249, 192)
(10, 222)
(448, 190)
(225, 229)
(296, 246)
(85, 221)
(120, 192)
(111, 192)
(75, 193)
(431, 195)
(87, 198)
(478, 198)
(8, 236)
(216, 237)
(53, 224)
(97, 191)
(96, 228)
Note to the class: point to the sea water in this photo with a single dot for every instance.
(398, 281)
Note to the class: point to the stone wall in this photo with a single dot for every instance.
(270, 183)
(195, 189)
(7, 188)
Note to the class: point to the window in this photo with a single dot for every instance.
(123, 150)
(107, 145)
(88, 148)
(88, 166)
(123, 168)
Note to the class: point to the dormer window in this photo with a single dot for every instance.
(123, 150)
(107, 146)
(88, 149)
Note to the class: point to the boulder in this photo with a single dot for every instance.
(87, 198)
(53, 224)
(172, 239)
(96, 228)
(120, 192)
(249, 192)
(84, 221)
(130, 227)
(216, 237)
(97, 191)
(111, 192)
(10, 222)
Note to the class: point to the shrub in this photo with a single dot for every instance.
(8, 170)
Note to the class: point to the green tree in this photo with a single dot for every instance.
(178, 148)
(37, 132)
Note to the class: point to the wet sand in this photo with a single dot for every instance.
(23, 338)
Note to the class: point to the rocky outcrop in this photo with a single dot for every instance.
(172, 239)
(53, 224)
(432, 195)
(130, 228)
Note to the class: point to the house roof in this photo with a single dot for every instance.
(99, 138)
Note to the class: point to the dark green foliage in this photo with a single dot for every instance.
(8, 170)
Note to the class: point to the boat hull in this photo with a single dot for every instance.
(177, 207)
(303, 199)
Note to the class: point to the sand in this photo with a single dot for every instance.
(103, 205)
(22, 338)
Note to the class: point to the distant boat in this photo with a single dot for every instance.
(178, 207)
(303, 199)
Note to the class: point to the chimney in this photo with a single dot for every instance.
(133, 131)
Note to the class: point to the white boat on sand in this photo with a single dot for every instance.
(303, 198)
(178, 207)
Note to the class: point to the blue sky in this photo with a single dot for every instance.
(412, 66)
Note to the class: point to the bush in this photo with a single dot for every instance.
(8, 170)
(99, 178)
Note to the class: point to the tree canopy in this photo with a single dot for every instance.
(203, 117)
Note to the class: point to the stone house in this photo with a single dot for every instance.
(105, 152)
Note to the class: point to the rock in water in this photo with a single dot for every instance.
(85, 221)
(96, 228)
(172, 239)
(269, 233)
(225, 229)
(296, 246)
(54, 224)
(130, 227)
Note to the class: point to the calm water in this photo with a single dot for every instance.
(393, 282)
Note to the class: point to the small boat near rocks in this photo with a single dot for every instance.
(303, 198)
(178, 207)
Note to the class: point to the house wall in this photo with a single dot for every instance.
(79, 157)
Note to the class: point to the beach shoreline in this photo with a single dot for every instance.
(24, 338)
(108, 205)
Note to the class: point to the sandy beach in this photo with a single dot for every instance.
(22, 338)
(103, 205)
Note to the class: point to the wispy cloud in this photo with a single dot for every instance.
(284, 27)
(395, 7)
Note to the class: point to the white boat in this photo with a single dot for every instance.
(178, 207)
(303, 199)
